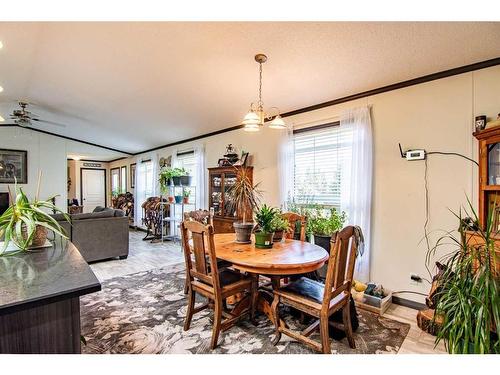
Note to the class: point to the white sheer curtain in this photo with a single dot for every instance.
(200, 183)
(356, 182)
(146, 182)
(285, 166)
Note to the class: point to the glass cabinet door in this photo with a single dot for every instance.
(229, 181)
(216, 198)
(494, 164)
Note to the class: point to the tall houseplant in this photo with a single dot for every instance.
(468, 299)
(25, 223)
(243, 198)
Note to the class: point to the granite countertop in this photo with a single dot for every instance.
(44, 276)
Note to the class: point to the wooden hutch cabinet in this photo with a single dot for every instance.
(220, 180)
(489, 186)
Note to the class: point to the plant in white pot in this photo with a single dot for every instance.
(25, 223)
(243, 199)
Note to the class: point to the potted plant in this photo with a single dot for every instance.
(171, 199)
(185, 196)
(279, 226)
(323, 226)
(243, 198)
(264, 233)
(178, 199)
(468, 299)
(25, 223)
(184, 177)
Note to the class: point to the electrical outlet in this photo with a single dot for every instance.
(415, 279)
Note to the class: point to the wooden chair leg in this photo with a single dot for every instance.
(325, 337)
(190, 308)
(253, 298)
(217, 324)
(186, 286)
(276, 318)
(346, 318)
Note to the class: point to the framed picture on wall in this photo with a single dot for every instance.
(132, 176)
(13, 166)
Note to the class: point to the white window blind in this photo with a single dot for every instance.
(319, 156)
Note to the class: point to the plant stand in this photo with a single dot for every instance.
(176, 212)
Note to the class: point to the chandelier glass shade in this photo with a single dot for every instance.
(256, 116)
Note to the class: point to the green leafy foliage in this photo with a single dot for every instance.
(325, 223)
(265, 217)
(242, 196)
(18, 223)
(279, 223)
(468, 299)
(167, 173)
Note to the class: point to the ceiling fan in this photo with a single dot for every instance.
(23, 117)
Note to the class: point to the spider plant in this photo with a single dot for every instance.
(21, 221)
(243, 196)
(469, 297)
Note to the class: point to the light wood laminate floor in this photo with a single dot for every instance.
(144, 255)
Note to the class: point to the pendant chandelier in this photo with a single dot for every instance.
(255, 118)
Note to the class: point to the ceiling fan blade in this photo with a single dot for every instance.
(49, 122)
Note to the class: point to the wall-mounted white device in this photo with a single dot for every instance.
(412, 154)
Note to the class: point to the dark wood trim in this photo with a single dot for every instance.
(217, 132)
(399, 85)
(68, 138)
(89, 161)
(105, 184)
(121, 169)
(408, 303)
(132, 177)
(364, 94)
(185, 153)
(317, 127)
(123, 157)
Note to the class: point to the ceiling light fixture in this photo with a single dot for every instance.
(1, 119)
(1, 44)
(256, 116)
(1, 89)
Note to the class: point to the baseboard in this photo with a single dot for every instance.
(408, 303)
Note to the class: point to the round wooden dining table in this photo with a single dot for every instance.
(286, 258)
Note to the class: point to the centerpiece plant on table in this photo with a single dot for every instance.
(25, 223)
(468, 295)
(264, 230)
(280, 225)
(243, 197)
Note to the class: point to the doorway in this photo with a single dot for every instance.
(93, 188)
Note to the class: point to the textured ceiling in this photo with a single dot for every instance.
(134, 86)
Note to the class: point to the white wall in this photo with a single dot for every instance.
(48, 154)
(45, 153)
(436, 116)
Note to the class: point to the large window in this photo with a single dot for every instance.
(318, 166)
(146, 169)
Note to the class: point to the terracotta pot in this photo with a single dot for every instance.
(185, 200)
(243, 232)
(278, 236)
(39, 238)
(171, 199)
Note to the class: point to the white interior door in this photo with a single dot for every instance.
(93, 189)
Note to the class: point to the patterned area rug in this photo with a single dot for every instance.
(144, 313)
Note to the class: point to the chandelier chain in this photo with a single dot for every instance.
(260, 86)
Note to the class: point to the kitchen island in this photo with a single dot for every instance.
(40, 299)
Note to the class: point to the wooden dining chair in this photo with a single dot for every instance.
(293, 218)
(204, 217)
(205, 279)
(322, 300)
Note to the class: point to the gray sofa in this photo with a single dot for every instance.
(99, 235)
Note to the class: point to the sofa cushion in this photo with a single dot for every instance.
(101, 209)
(58, 217)
(94, 215)
(119, 213)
